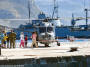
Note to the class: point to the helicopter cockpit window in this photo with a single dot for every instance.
(49, 29)
(42, 29)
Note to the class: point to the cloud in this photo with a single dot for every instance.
(6, 5)
(10, 8)
(17, 9)
(13, 10)
(4, 23)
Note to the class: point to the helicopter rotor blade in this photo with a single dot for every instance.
(64, 18)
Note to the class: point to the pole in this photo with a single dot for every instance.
(0, 50)
(29, 9)
(53, 10)
(86, 16)
(1, 42)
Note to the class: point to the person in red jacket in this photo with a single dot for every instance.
(26, 39)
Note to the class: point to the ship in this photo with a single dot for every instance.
(79, 31)
(61, 31)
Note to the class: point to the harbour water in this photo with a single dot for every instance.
(78, 61)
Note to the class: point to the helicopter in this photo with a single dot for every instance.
(46, 33)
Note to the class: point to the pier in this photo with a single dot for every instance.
(83, 49)
(52, 54)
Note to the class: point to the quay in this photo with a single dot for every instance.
(83, 49)
(46, 54)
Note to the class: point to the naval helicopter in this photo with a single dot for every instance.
(46, 33)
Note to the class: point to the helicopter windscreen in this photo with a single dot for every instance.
(45, 29)
(42, 29)
(49, 29)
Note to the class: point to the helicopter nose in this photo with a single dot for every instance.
(47, 35)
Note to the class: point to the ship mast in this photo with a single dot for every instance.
(73, 20)
(29, 10)
(86, 11)
(55, 10)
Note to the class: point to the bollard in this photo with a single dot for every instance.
(72, 49)
(0, 50)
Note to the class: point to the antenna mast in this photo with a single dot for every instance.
(73, 20)
(86, 12)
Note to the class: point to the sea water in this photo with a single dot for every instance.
(79, 61)
(76, 40)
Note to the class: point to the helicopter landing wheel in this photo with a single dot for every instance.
(47, 45)
(58, 44)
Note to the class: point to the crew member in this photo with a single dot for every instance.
(12, 38)
(8, 39)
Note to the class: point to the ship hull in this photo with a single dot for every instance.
(63, 32)
(60, 32)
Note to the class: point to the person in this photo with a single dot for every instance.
(71, 38)
(12, 38)
(34, 36)
(26, 38)
(2, 38)
(22, 40)
(8, 39)
(5, 40)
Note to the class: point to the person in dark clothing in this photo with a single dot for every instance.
(12, 38)
(26, 39)
(8, 40)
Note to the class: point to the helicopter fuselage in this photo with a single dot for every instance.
(46, 33)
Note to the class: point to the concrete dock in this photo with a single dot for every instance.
(47, 52)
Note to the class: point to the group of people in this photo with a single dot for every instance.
(10, 38)
(24, 40)
(7, 38)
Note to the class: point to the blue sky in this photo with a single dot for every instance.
(66, 8)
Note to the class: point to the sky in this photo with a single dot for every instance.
(66, 8)
(18, 9)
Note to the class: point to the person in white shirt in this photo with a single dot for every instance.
(22, 40)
